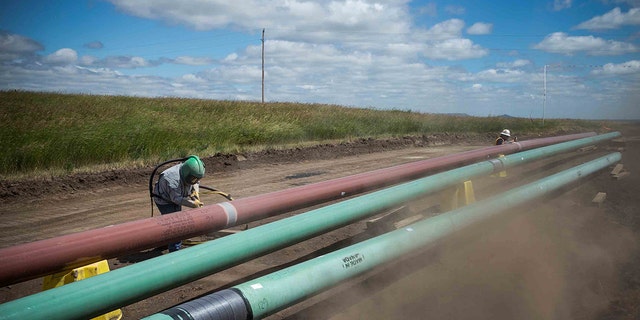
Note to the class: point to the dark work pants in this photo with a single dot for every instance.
(167, 209)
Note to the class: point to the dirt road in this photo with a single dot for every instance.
(563, 259)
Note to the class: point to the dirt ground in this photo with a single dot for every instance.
(559, 258)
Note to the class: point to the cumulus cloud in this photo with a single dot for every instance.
(88, 60)
(445, 30)
(347, 52)
(353, 25)
(455, 49)
(231, 57)
(62, 56)
(444, 41)
(13, 43)
(480, 28)
(13, 46)
(405, 50)
(560, 42)
(613, 19)
(629, 67)
(351, 20)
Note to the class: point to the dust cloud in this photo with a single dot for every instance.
(557, 261)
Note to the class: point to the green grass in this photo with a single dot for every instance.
(43, 132)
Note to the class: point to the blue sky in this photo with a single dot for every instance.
(483, 58)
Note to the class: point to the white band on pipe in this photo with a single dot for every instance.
(231, 212)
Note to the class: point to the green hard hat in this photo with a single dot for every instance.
(192, 170)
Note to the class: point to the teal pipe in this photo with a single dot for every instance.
(100, 294)
(276, 291)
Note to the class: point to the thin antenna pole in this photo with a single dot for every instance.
(263, 66)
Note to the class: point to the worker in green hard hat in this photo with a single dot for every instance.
(179, 186)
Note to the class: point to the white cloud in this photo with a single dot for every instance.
(352, 25)
(125, 62)
(307, 87)
(193, 61)
(613, 19)
(62, 56)
(629, 67)
(560, 42)
(103, 72)
(192, 78)
(231, 57)
(346, 52)
(502, 75)
(343, 20)
(353, 13)
(88, 60)
(449, 29)
(403, 49)
(233, 74)
(455, 49)
(13, 43)
(480, 28)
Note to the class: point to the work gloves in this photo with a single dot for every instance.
(195, 195)
(187, 202)
(194, 198)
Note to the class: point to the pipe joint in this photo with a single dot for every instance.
(498, 165)
(227, 304)
(520, 148)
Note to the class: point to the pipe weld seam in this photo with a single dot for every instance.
(519, 146)
(231, 213)
(497, 164)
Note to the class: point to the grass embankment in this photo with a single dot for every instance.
(48, 132)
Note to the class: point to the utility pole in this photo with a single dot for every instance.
(544, 97)
(262, 65)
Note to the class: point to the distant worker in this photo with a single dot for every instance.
(179, 186)
(505, 137)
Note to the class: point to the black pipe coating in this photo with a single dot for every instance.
(228, 304)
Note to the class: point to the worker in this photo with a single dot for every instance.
(179, 186)
(505, 137)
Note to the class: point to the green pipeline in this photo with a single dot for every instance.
(268, 294)
(109, 291)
